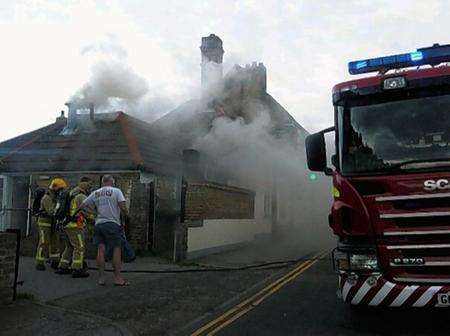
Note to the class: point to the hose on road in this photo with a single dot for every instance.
(263, 266)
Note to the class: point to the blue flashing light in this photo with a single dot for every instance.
(432, 55)
(361, 64)
(416, 56)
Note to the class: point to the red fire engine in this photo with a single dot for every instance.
(391, 180)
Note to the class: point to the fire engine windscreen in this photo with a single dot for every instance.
(398, 135)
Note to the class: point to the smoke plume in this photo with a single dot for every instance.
(114, 85)
(250, 150)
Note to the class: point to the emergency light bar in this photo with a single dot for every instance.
(431, 55)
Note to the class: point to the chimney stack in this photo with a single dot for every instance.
(212, 72)
(71, 116)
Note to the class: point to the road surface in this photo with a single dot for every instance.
(307, 305)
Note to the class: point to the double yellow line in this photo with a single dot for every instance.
(214, 326)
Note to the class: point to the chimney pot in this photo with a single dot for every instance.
(61, 118)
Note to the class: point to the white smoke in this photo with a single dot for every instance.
(114, 85)
(259, 159)
(240, 146)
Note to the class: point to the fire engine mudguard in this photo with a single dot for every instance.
(375, 290)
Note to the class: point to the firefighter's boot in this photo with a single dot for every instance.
(63, 271)
(40, 267)
(80, 273)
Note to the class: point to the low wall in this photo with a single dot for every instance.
(218, 217)
(219, 234)
(8, 243)
(206, 200)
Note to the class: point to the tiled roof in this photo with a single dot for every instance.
(117, 142)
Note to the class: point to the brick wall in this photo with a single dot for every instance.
(7, 266)
(206, 200)
(137, 231)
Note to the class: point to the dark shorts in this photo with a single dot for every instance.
(109, 234)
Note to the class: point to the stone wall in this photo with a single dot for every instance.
(8, 243)
(205, 200)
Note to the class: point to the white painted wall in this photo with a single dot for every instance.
(220, 232)
(263, 219)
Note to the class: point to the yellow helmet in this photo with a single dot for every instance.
(57, 184)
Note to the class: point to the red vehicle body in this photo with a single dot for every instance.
(391, 208)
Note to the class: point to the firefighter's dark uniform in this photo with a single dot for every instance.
(48, 245)
(74, 242)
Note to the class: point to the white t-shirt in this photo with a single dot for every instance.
(106, 201)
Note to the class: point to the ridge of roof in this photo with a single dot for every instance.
(273, 101)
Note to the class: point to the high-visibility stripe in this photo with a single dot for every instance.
(392, 295)
(80, 240)
(42, 236)
(427, 296)
(64, 261)
(403, 296)
(54, 255)
(381, 295)
(361, 293)
(345, 290)
(39, 256)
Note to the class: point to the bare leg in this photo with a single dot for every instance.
(101, 264)
(117, 265)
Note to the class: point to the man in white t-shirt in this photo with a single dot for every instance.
(108, 203)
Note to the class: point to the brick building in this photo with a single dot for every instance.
(182, 202)
(282, 199)
(149, 174)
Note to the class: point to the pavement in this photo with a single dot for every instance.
(37, 283)
(154, 304)
(259, 252)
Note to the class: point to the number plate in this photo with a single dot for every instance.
(443, 299)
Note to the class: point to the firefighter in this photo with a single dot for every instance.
(48, 244)
(72, 258)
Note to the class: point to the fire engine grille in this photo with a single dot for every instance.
(418, 204)
(416, 237)
(420, 261)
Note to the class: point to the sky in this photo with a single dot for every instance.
(50, 48)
